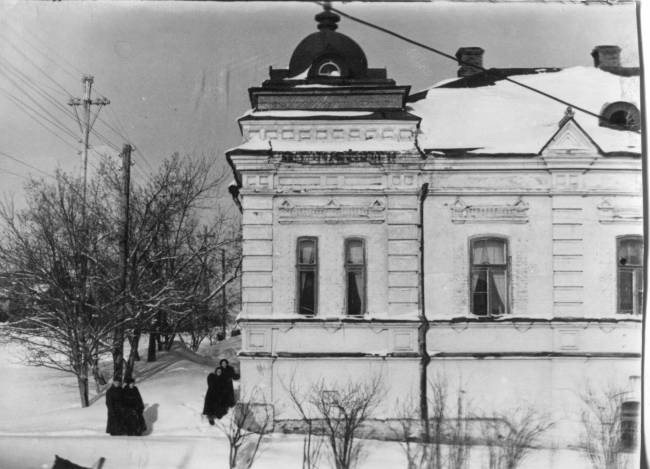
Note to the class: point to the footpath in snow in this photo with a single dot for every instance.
(40, 416)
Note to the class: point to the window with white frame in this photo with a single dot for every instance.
(355, 276)
(489, 276)
(629, 257)
(307, 275)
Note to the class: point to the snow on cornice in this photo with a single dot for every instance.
(372, 145)
(297, 113)
(506, 118)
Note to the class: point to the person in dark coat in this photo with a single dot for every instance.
(133, 407)
(216, 398)
(114, 403)
(229, 374)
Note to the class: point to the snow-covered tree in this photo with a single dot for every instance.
(62, 275)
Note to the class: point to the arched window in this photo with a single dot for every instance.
(489, 276)
(307, 275)
(629, 260)
(355, 276)
(329, 69)
(620, 115)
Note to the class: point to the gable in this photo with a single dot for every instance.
(570, 139)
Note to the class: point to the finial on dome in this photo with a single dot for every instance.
(327, 19)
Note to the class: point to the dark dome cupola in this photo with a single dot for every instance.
(327, 53)
(328, 70)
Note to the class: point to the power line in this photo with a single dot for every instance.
(21, 76)
(36, 66)
(8, 66)
(95, 132)
(48, 56)
(47, 115)
(34, 115)
(449, 56)
(17, 160)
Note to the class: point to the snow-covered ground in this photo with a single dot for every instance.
(40, 416)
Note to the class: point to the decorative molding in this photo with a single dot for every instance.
(332, 158)
(463, 213)
(335, 130)
(332, 212)
(607, 213)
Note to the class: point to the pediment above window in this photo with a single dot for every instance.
(610, 213)
(332, 212)
(494, 213)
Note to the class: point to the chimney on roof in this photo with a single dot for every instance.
(606, 56)
(470, 60)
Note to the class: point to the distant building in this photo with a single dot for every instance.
(532, 233)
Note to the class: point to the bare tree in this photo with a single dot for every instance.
(177, 228)
(312, 445)
(62, 272)
(600, 419)
(449, 436)
(511, 435)
(408, 432)
(244, 429)
(343, 410)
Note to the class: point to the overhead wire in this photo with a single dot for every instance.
(34, 115)
(451, 57)
(47, 115)
(74, 114)
(19, 161)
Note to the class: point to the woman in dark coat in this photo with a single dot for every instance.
(115, 405)
(229, 375)
(133, 408)
(216, 399)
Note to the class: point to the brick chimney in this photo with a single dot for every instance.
(606, 56)
(469, 58)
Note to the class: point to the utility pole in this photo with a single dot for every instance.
(86, 124)
(118, 333)
(224, 311)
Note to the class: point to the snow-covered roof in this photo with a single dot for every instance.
(298, 113)
(372, 145)
(507, 118)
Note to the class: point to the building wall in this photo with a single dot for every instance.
(561, 217)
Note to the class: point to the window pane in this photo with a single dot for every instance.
(630, 252)
(489, 251)
(307, 252)
(626, 291)
(497, 293)
(354, 253)
(638, 287)
(629, 424)
(355, 292)
(479, 292)
(306, 290)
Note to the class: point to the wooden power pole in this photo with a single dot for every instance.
(423, 328)
(224, 309)
(118, 333)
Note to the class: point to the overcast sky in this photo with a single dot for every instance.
(177, 73)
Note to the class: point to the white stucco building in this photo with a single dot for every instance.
(532, 228)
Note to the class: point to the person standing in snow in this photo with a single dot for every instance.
(133, 407)
(115, 422)
(215, 404)
(229, 375)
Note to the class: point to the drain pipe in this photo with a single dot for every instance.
(423, 327)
